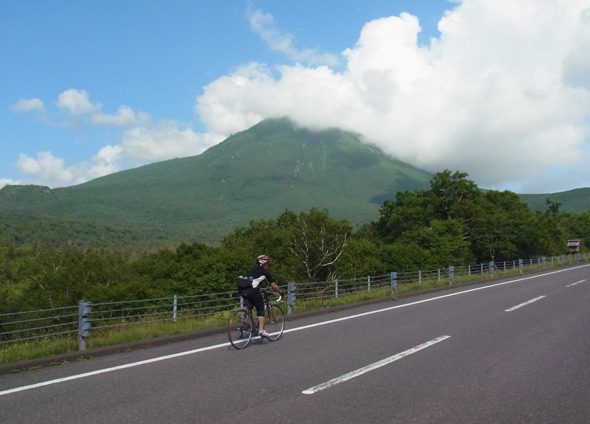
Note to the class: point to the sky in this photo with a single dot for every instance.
(497, 89)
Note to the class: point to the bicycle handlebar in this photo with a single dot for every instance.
(266, 293)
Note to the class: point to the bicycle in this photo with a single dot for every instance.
(242, 326)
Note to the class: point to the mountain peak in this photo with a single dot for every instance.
(253, 174)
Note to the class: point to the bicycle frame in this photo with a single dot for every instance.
(242, 325)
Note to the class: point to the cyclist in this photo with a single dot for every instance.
(252, 293)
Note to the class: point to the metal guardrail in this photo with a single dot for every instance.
(89, 317)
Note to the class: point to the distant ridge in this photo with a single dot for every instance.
(255, 174)
(577, 200)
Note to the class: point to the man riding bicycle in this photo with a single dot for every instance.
(252, 293)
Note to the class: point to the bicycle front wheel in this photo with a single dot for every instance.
(240, 328)
(275, 322)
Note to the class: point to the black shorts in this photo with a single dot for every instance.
(255, 297)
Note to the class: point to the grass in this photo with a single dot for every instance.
(40, 348)
(43, 348)
(48, 347)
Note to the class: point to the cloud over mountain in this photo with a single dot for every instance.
(502, 94)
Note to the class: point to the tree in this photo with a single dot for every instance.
(317, 240)
(454, 196)
(360, 258)
(504, 228)
(409, 212)
(552, 207)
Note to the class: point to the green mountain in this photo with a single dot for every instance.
(577, 200)
(255, 174)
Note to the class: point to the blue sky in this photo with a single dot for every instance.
(501, 91)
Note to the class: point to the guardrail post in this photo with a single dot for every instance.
(291, 296)
(369, 283)
(420, 277)
(393, 281)
(84, 323)
(520, 265)
(451, 274)
(439, 274)
(335, 288)
(492, 266)
(175, 307)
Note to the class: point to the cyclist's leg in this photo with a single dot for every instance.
(255, 298)
(258, 303)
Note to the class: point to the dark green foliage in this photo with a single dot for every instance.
(452, 223)
(19, 230)
(456, 222)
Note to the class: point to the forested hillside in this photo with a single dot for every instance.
(254, 174)
(577, 200)
(452, 222)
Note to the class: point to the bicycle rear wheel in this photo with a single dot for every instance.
(275, 322)
(240, 328)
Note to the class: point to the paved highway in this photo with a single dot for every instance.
(514, 351)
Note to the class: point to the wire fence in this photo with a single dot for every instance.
(343, 287)
(117, 314)
(79, 321)
(30, 325)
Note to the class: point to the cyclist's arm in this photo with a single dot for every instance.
(276, 288)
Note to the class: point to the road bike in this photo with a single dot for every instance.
(242, 326)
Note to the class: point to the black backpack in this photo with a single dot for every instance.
(244, 282)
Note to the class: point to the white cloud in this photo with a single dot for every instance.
(142, 142)
(264, 25)
(139, 145)
(76, 102)
(125, 117)
(8, 181)
(503, 94)
(28, 105)
(166, 140)
(106, 161)
(46, 169)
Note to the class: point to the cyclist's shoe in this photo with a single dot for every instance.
(263, 333)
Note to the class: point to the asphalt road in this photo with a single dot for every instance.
(516, 351)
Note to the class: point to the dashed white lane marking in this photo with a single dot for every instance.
(372, 367)
(525, 303)
(578, 282)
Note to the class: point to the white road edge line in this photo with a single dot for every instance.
(371, 367)
(105, 370)
(578, 282)
(190, 352)
(524, 304)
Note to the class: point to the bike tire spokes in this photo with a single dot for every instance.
(240, 329)
(275, 322)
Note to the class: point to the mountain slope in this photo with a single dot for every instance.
(577, 200)
(255, 174)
